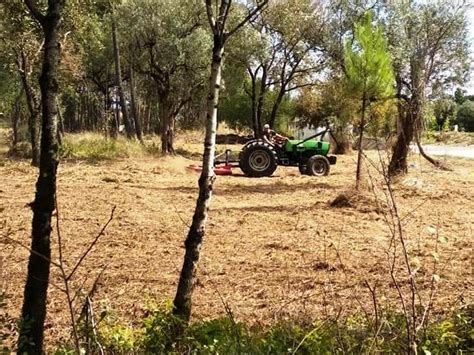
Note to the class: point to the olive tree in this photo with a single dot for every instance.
(168, 43)
(429, 48)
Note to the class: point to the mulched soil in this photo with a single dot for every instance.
(274, 247)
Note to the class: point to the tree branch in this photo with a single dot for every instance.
(247, 18)
(33, 8)
(210, 16)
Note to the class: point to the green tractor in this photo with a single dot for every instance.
(259, 158)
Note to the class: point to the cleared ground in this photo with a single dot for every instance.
(274, 247)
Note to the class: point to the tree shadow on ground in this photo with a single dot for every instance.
(279, 208)
(274, 188)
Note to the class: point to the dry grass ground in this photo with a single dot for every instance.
(274, 248)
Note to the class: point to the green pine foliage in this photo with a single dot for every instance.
(368, 66)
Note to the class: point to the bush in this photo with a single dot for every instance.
(465, 116)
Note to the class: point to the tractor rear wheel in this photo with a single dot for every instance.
(318, 165)
(258, 159)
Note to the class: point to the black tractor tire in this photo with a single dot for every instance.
(258, 159)
(303, 168)
(318, 165)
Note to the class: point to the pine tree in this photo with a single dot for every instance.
(368, 70)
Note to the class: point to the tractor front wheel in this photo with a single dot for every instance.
(318, 165)
(258, 159)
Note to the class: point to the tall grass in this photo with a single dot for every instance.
(92, 146)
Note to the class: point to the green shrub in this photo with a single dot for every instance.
(451, 336)
(356, 334)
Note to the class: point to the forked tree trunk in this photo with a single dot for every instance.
(182, 301)
(409, 121)
(359, 148)
(118, 79)
(30, 339)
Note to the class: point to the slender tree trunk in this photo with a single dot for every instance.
(182, 301)
(261, 97)
(253, 99)
(15, 118)
(361, 135)
(167, 124)
(276, 106)
(34, 110)
(36, 286)
(118, 79)
(147, 116)
(116, 122)
(136, 116)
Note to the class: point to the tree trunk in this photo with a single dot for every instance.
(118, 79)
(342, 141)
(398, 162)
(15, 118)
(136, 116)
(34, 110)
(261, 97)
(182, 301)
(167, 124)
(276, 106)
(361, 135)
(253, 97)
(30, 339)
(60, 130)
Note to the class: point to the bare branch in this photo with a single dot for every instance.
(210, 15)
(33, 8)
(92, 244)
(249, 17)
(32, 251)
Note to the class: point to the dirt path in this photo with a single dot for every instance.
(448, 150)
